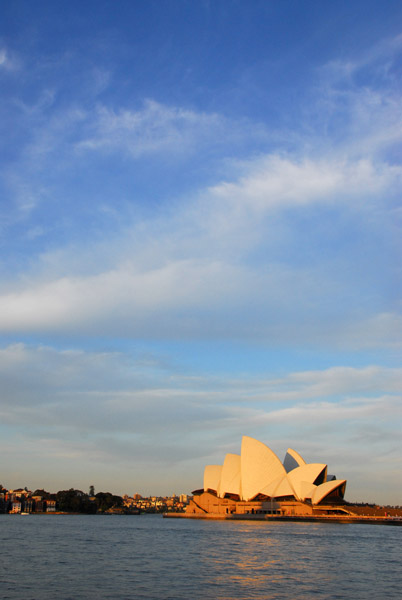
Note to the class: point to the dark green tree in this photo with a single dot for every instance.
(106, 500)
(74, 501)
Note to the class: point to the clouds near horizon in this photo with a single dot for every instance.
(116, 408)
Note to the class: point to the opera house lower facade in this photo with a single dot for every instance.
(257, 482)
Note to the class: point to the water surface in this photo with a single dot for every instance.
(84, 557)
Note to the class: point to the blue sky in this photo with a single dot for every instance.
(199, 239)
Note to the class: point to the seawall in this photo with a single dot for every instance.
(285, 518)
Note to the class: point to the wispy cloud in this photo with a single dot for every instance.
(8, 60)
(153, 129)
(358, 102)
(3, 57)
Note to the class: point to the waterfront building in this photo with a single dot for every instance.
(256, 481)
(50, 505)
(16, 507)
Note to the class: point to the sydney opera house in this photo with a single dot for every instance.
(257, 482)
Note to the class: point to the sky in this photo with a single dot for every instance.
(199, 240)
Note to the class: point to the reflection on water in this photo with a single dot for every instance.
(84, 557)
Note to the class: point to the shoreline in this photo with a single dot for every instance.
(74, 514)
(369, 520)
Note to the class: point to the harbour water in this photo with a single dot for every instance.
(81, 557)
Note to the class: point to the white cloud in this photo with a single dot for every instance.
(155, 128)
(335, 381)
(376, 330)
(131, 293)
(277, 182)
(201, 298)
(8, 60)
(314, 415)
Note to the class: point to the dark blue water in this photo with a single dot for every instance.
(45, 557)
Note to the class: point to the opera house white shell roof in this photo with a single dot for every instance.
(257, 471)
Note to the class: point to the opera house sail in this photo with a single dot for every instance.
(257, 481)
